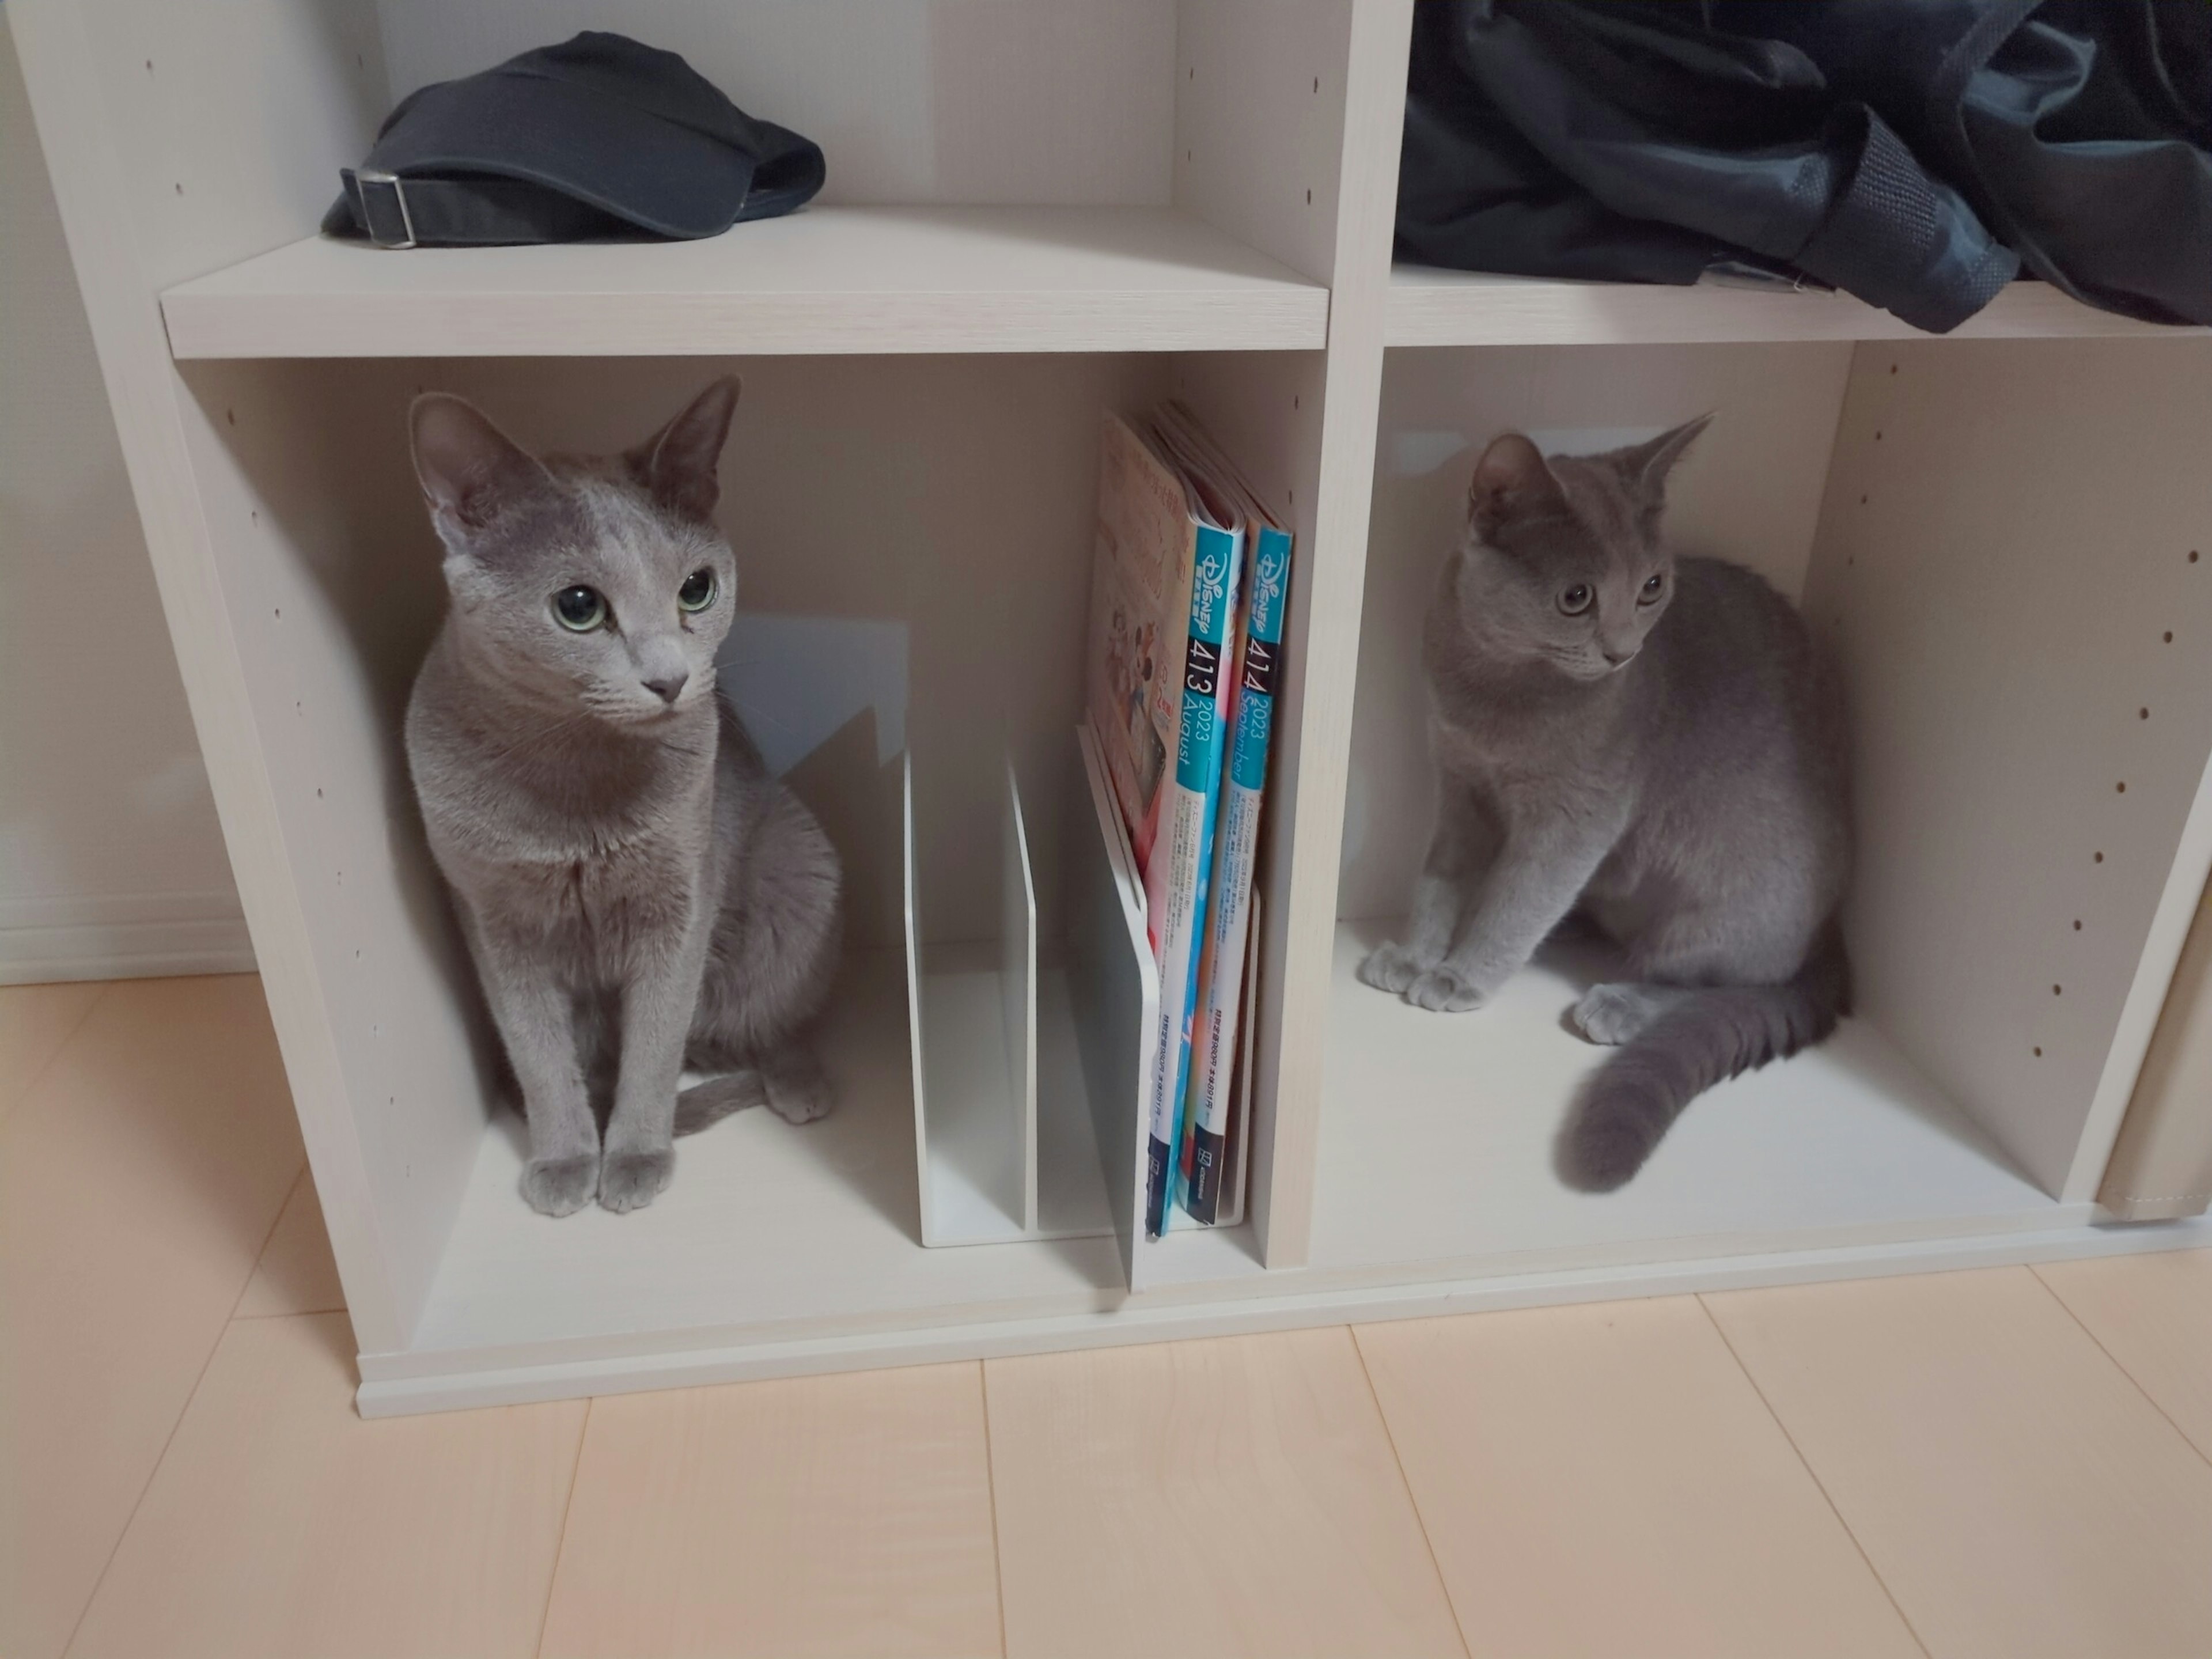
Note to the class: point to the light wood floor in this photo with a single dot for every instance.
(2010, 1463)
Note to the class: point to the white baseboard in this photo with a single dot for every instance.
(122, 936)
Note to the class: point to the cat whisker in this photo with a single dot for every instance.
(753, 718)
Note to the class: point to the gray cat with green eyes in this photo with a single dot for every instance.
(637, 892)
(1652, 742)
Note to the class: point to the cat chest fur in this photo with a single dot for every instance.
(597, 857)
(601, 912)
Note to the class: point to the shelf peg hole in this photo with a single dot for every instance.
(2038, 1054)
(2169, 637)
(2142, 714)
(180, 188)
(1877, 437)
(2077, 924)
(2057, 990)
(230, 417)
(318, 794)
(1316, 83)
(1308, 199)
(2192, 556)
(2119, 789)
(2099, 857)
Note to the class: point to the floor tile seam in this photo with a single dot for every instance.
(1813, 1475)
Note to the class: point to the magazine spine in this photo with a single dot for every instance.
(1200, 746)
(1214, 1029)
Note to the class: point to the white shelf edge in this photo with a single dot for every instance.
(398, 1385)
(1428, 306)
(827, 281)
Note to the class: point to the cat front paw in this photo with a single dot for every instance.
(630, 1181)
(1391, 968)
(560, 1186)
(1446, 990)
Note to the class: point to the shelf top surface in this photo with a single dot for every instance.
(1435, 1162)
(1438, 1132)
(768, 1228)
(826, 279)
(1434, 308)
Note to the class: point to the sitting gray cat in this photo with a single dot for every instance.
(637, 892)
(1653, 741)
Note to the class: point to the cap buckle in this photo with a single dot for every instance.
(365, 177)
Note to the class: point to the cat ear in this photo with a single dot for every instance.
(1649, 463)
(469, 470)
(1509, 480)
(677, 463)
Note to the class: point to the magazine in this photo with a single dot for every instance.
(1164, 582)
(1221, 1002)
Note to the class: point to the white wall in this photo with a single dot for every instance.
(110, 860)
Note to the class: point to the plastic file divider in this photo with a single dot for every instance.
(911, 909)
(1115, 988)
(1017, 985)
(1004, 1148)
(971, 1012)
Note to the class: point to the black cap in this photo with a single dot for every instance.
(597, 137)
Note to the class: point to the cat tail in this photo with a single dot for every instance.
(715, 1099)
(1707, 1037)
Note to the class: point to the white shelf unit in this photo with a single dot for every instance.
(1037, 213)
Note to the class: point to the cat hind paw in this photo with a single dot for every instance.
(797, 1089)
(801, 1102)
(1610, 1015)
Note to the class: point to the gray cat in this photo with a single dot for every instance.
(638, 893)
(1651, 741)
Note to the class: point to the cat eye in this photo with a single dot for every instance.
(578, 610)
(698, 590)
(1653, 586)
(1576, 600)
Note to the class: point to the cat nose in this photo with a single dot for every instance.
(1615, 659)
(669, 688)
